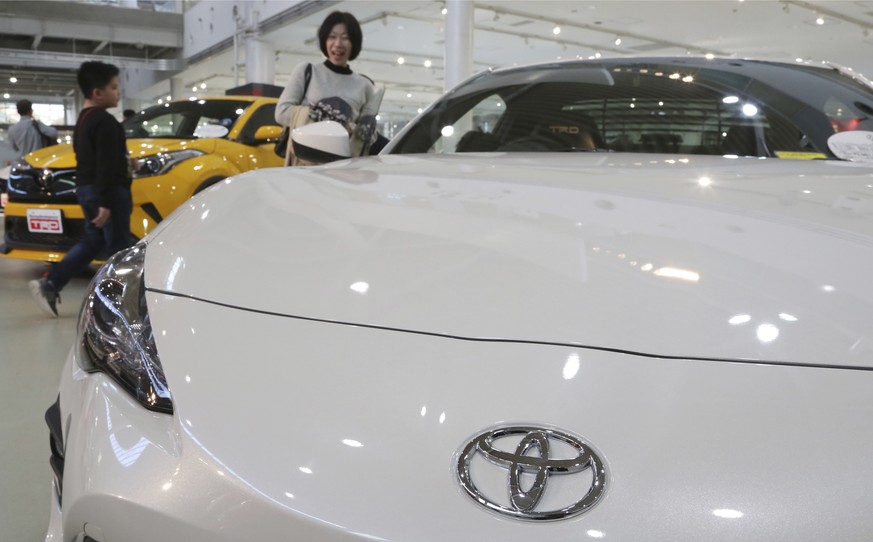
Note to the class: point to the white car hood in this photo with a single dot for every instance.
(697, 257)
(324, 432)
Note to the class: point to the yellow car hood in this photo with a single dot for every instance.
(62, 156)
(145, 147)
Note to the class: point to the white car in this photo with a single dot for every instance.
(626, 300)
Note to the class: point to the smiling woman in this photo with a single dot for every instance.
(331, 90)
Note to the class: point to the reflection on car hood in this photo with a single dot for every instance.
(695, 257)
(147, 146)
(63, 156)
(349, 433)
(56, 156)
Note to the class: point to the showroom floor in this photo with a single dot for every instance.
(32, 351)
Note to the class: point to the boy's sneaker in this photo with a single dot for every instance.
(46, 297)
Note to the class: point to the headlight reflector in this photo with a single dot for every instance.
(158, 164)
(117, 334)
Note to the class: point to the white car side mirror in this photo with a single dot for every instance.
(321, 142)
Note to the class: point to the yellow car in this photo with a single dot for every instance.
(182, 148)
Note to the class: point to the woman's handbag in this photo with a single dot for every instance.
(299, 117)
(282, 145)
(282, 142)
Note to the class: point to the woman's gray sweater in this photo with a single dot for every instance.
(326, 82)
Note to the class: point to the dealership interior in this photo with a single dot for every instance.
(171, 50)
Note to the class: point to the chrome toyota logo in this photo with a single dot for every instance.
(531, 457)
(46, 177)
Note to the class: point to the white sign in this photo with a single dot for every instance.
(44, 221)
(210, 130)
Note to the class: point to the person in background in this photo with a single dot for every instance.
(29, 134)
(26, 136)
(102, 183)
(332, 90)
(126, 114)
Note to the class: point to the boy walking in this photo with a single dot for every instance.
(102, 182)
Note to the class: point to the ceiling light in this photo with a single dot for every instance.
(556, 30)
(6, 95)
(674, 273)
(766, 333)
(444, 11)
(596, 55)
(819, 20)
(194, 88)
(798, 59)
(428, 63)
(13, 79)
(709, 56)
(400, 60)
(617, 40)
(409, 95)
(727, 514)
(169, 98)
(202, 85)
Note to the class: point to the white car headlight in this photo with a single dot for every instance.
(117, 334)
(158, 164)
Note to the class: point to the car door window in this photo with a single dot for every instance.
(473, 131)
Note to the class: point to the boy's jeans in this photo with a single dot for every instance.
(103, 242)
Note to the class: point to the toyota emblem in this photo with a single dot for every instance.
(46, 178)
(531, 457)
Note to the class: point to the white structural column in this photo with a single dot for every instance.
(177, 88)
(459, 42)
(72, 106)
(260, 60)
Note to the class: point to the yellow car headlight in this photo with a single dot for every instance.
(158, 164)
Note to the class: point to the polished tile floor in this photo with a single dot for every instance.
(33, 347)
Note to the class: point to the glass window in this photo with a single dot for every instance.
(472, 132)
(184, 119)
(644, 108)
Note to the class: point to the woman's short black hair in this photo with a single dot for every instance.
(353, 27)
